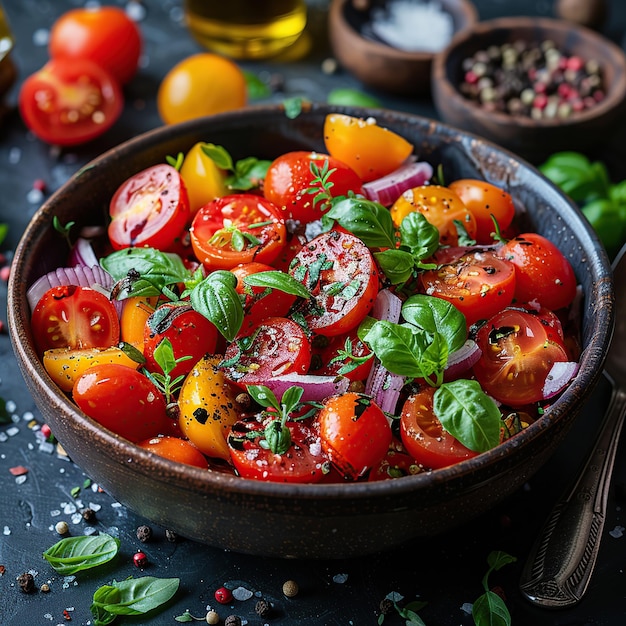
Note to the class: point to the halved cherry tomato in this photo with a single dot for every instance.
(175, 449)
(342, 356)
(68, 102)
(341, 274)
(203, 179)
(74, 317)
(478, 283)
(423, 436)
(440, 206)
(235, 229)
(485, 200)
(291, 184)
(122, 400)
(370, 150)
(355, 433)
(542, 273)
(151, 208)
(135, 313)
(517, 356)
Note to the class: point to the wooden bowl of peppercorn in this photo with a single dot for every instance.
(532, 85)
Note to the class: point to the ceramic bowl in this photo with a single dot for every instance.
(376, 63)
(533, 139)
(316, 520)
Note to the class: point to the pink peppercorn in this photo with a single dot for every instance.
(223, 595)
(140, 559)
(5, 272)
(46, 431)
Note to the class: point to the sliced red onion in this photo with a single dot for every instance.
(82, 253)
(387, 306)
(384, 387)
(559, 377)
(462, 360)
(316, 388)
(388, 189)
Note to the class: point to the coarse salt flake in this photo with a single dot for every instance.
(617, 532)
(340, 578)
(6, 531)
(242, 594)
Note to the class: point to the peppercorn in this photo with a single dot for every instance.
(212, 617)
(223, 595)
(45, 588)
(290, 588)
(140, 559)
(232, 620)
(62, 528)
(385, 607)
(262, 608)
(26, 582)
(89, 515)
(171, 536)
(144, 533)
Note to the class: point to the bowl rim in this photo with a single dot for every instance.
(615, 93)
(165, 470)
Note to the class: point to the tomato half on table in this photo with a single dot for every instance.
(151, 208)
(69, 102)
(235, 229)
(74, 317)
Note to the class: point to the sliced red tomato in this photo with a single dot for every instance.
(293, 186)
(424, 437)
(151, 208)
(478, 283)
(542, 272)
(341, 274)
(273, 347)
(342, 356)
(235, 229)
(68, 102)
(175, 449)
(517, 356)
(74, 317)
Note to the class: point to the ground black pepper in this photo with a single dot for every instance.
(26, 582)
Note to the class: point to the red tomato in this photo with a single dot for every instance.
(74, 317)
(355, 433)
(122, 400)
(542, 273)
(335, 357)
(190, 333)
(485, 201)
(517, 355)
(236, 229)
(150, 208)
(423, 435)
(479, 284)
(341, 274)
(302, 463)
(394, 464)
(104, 35)
(291, 184)
(175, 449)
(67, 102)
(270, 348)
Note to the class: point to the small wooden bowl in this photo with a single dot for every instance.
(377, 64)
(533, 139)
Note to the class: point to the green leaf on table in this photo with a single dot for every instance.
(74, 554)
(135, 596)
(489, 609)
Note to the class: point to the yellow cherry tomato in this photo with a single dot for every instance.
(203, 179)
(370, 150)
(208, 407)
(202, 84)
(65, 365)
(135, 312)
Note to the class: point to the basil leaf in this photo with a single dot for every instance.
(468, 414)
(249, 172)
(275, 279)
(219, 155)
(489, 609)
(396, 264)
(497, 559)
(434, 358)
(135, 596)
(293, 107)
(216, 298)
(101, 617)
(74, 554)
(419, 236)
(263, 396)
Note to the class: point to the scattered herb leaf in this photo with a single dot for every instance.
(74, 554)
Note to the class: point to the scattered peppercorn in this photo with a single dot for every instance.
(243, 400)
(262, 608)
(212, 617)
(232, 620)
(290, 588)
(62, 528)
(46, 431)
(386, 606)
(140, 559)
(171, 536)
(144, 533)
(89, 515)
(26, 582)
(223, 595)
(45, 588)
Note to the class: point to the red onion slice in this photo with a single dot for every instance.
(388, 189)
(462, 360)
(559, 377)
(384, 387)
(387, 306)
(316, 388)
(82, 253)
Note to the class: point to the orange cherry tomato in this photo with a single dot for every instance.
(135, 313)
(175, 449)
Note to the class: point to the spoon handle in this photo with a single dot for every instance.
(561, 562)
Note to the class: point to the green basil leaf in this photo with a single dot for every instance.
(293, 107)
(255, 87)
(249, 173)
(291, 398)
(397, 265)
(489, 609)
(216, 298)
(219, 155)
(434, 358)
(468, 414)
(74, 554)
(139, 595)
(345, 96)
(274, 279)
(497, 559)
(101, 617)
(263, 396)
(419, 236)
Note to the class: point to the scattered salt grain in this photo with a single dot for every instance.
(20, 480)
(90, 530)
(15, 155)
(10, 406)
(12, 431)
(95, 507)
(27, 416)
(617, 532)
(136, 11)
(34, 196)
(3, 437)
(340, 578)
(76, 518)
(47, 447)
(41, 37)
(242, 594)
(6, 531)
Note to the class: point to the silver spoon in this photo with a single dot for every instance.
(559, 568)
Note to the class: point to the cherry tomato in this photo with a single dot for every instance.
(355, 433)
(68, 102)
(394, 464)
(440, 206)
(122, 400)
(74, 317)
(151, 208)
(190, 333)
(542, 273)
(235, 229)
(423, 435)
(341, 274)
(175, 449)
(302, 463)
(485, 201)
(517, 355)
(135, 313)
(203, 179)
(291, 184)
(273, 347)
(342, 356)
(105, 35)
(478, 283)
(370, 150)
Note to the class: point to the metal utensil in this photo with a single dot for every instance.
(559, 567)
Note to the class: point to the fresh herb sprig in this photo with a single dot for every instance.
(244, 174)
(164, 356)
(490, 609)
(74, 554)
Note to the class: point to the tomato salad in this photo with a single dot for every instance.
(318, 317)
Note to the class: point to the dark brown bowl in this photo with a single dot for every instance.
(377, 64)
(530, 138)
(319, 520)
